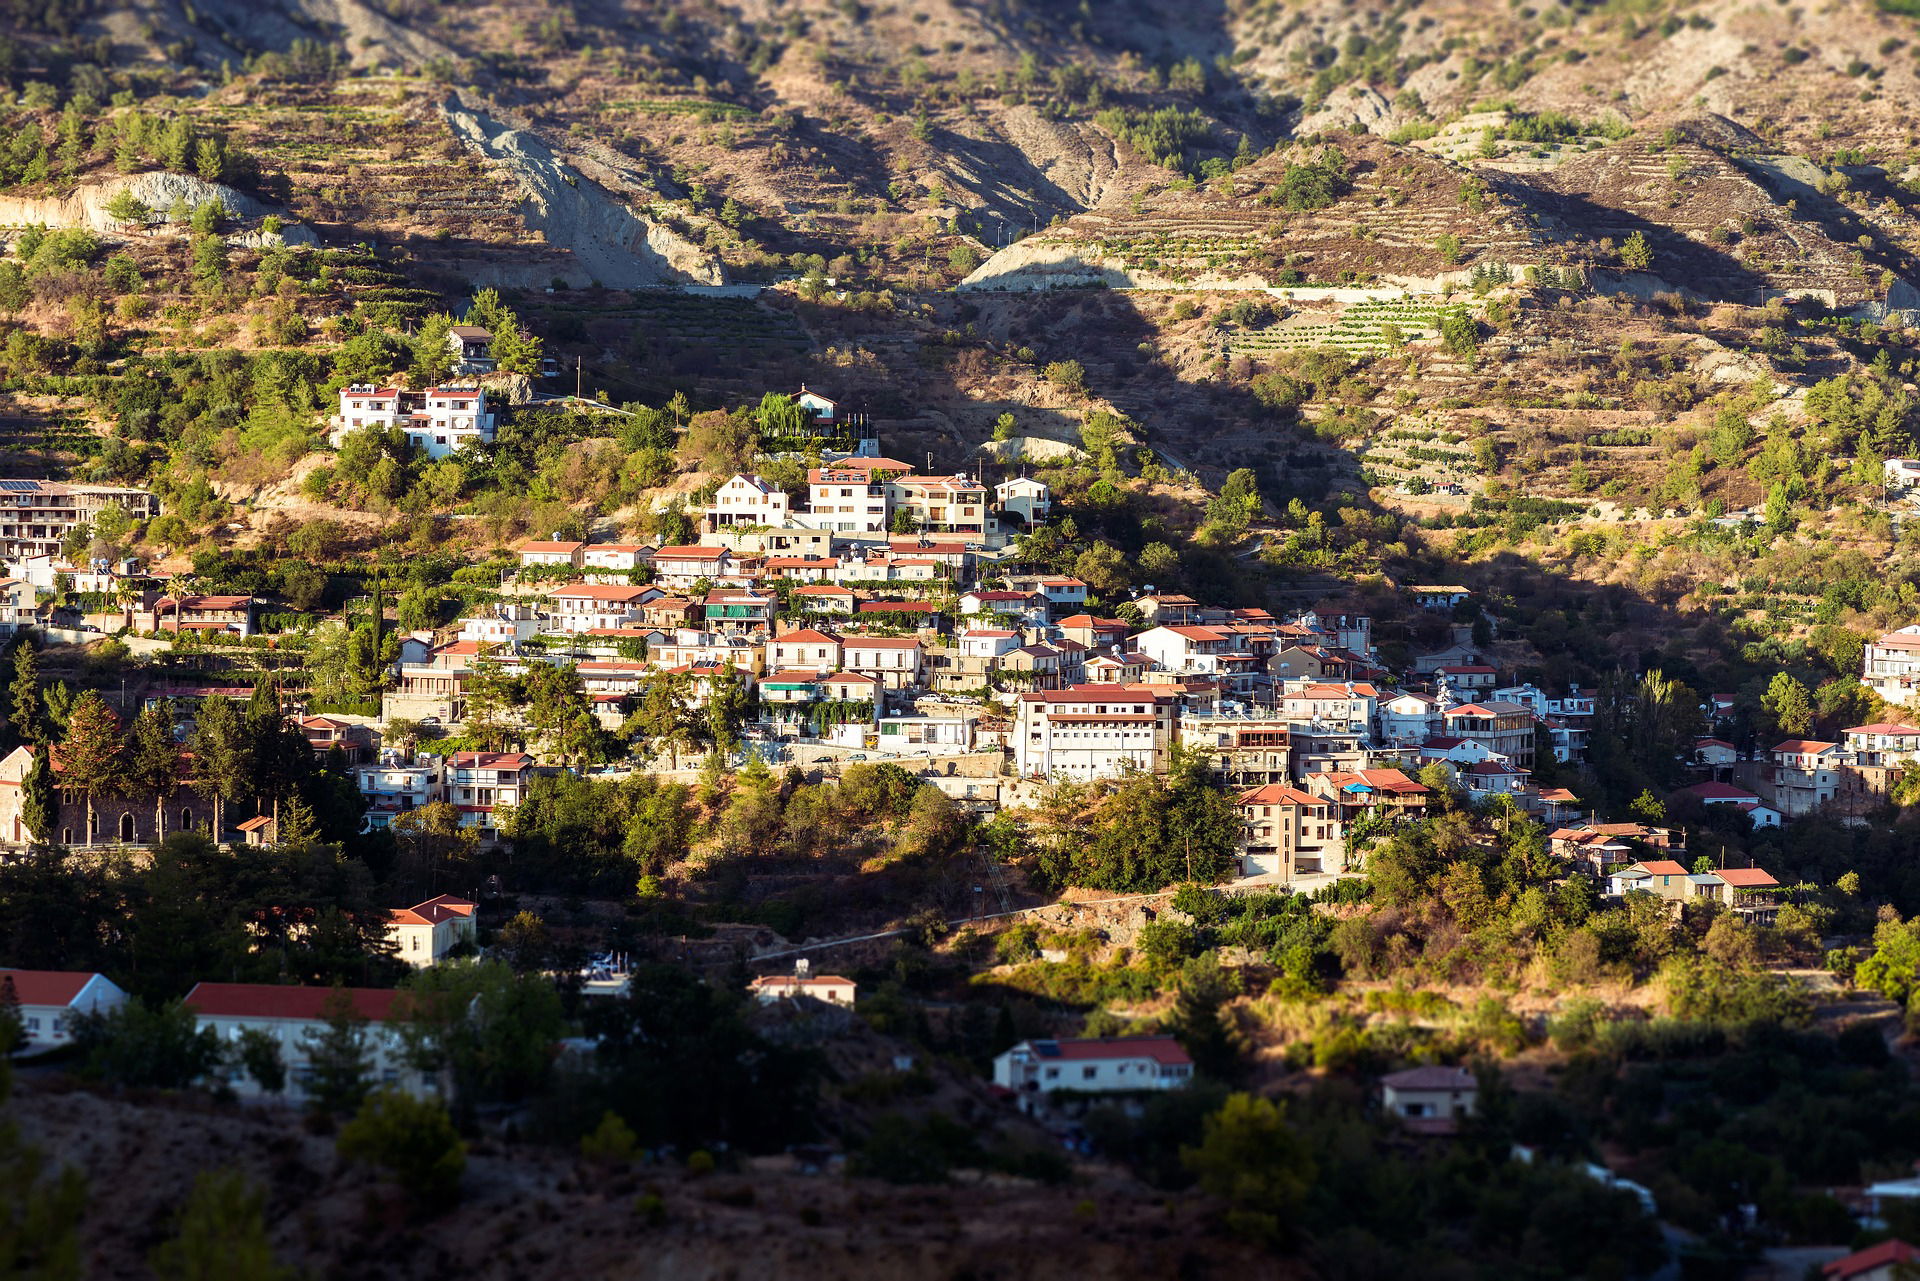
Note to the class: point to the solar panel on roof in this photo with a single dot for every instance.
(19, 486)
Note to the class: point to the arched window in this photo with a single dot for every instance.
(186, 819)
(126, 827)
(66, 836)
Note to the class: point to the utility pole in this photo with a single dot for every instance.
(578, 361)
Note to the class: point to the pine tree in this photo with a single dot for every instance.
(29, 717)
(297, 827)
(153, 761)
(90, 758)
(223, 1234)
(39, 802)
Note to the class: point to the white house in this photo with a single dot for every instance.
(1805, 775)
(988, 642)
(831, 988)
(613, 558)
(847, 500)
(477, 782)
(1891, 665)
(586, 607)
(1094, 731)
(392, 789)
(749, 500)
(1902, 473)
(471, 347)
(685, 565)
(437, 420)
(1105, 1065)
(1407, 718)
(294, 1017)
(425, 932)
(926, 735)
(550, 554)
(806, 649)
(893, 661)
(1025, 497)
(48, 1000)
(1434, 1099)
(504, 623)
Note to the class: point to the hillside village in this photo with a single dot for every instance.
(892, 638)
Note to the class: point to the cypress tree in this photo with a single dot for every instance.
(29, 717)
(39, 803)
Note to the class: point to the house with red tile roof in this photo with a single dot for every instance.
(479, 782)
(48, 1002)
(550, 554)
(1804, 775)
(292, 1017)
(1286, 832)
(426, 932)
(1103, 1065)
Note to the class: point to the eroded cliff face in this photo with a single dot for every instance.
(609, 241)
(87, 205)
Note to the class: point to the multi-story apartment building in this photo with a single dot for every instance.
(438, 420)
(1874, 755)
(585, 607)
(37, 515)
(392, 788)
(480, 782)
(1890, 666)
(1246, 751)
(1805, 775)
(1285, 832)
(1348, 705)
(847, 500)
(1094, 731)
(734, 610)
(1501, 727)
(945, 505)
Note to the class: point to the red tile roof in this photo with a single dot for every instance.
(1746, 877)
(47, 987)
(1885, 1255)
(1662, 867)
(489, 760)
(433, 911)
(1161, 1049)
(1719, 792)
(1279, 794)
(275, 1001)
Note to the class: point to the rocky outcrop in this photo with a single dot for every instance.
(609, 242)
(87, 205)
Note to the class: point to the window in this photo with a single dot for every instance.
(1089, 1073)
(1053, 1074)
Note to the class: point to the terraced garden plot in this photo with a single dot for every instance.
(678, 320)
(680, 107)
(1361, 328)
